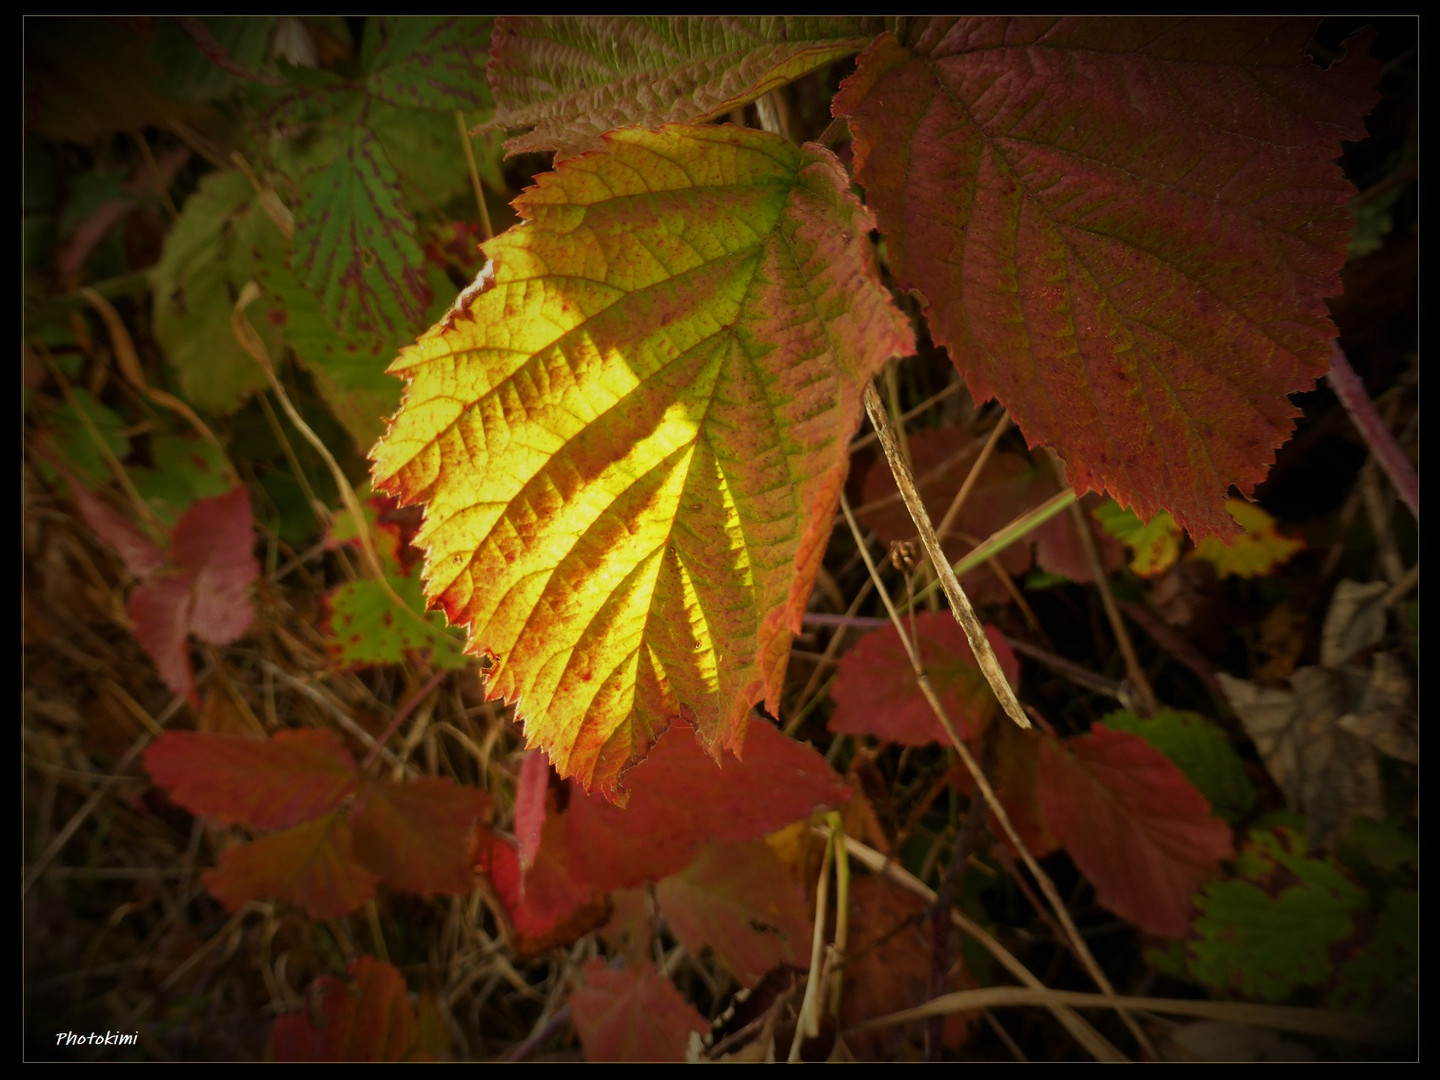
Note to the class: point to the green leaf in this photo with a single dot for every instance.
(1387, 960)
(187, 469)
(631, 444)
(430, 63)
(1201, 750)
(1154, 545)
(1270, 930)
(1257, 551)
(366, 627)
(572, 79)
(426, 151)
(349, 369)
(355, 245)
(73, 429)
(208, 256)
(191, 75)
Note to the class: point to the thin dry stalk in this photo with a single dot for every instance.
(959, 602)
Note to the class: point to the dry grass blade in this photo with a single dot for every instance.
(1321, 1022)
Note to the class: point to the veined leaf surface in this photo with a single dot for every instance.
(572, 79)
(631, 440)
(1123, 230)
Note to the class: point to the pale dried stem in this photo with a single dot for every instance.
(959, 602)
(250, 341)
(807, 1024)
(862, 441)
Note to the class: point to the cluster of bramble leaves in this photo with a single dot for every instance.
(631, 435)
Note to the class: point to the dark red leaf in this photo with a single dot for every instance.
(632, 1015)
(311, 865)
(159, 610)
(1122, 229)
(681, 797)
(1133, 823)
(293, 777)
(742, 902)
(876, 694)
(368, 1018)
(530, 795)
(140, 554)
(417, 835)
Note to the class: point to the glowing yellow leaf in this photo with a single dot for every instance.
(630, 439)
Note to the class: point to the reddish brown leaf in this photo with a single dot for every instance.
(206, 595)
(1014, 776)
(530, 795)
(634, 1014)
(888, 969)
(159, 610)
(742, 902)
(417, 835)
(294, 777)
(215, 540)
(681, 797)
(1133, 823)
(1123, 229)
(311, 865)
(546, 908)
(140, 554)
(875, 691)
(367, 1019)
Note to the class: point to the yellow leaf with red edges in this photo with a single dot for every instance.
(1256, 552)
(631, 438)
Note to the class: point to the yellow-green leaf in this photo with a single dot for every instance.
(1154, 544)
(1260, 550)
(631, 439)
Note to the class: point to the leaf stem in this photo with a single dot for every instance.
(1303, 1021)
(485, 227)
(250, 341)
(1351, 392)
